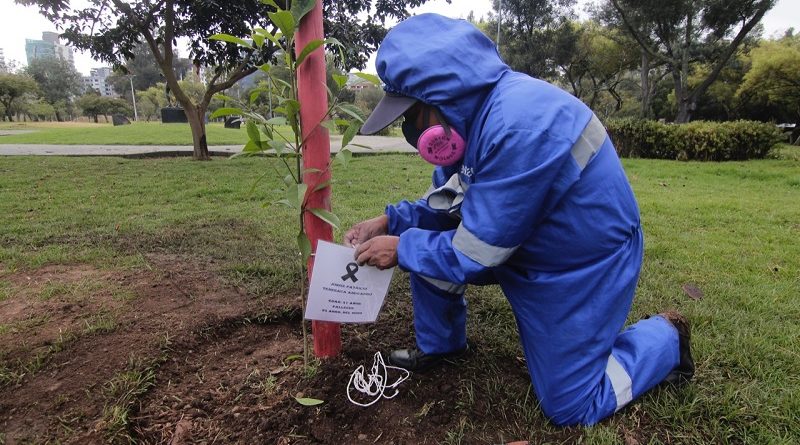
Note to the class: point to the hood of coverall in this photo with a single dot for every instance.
(447, 63)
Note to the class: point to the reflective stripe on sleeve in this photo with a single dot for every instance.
(446, 286)
(589, 142)
(479, 251)
(620, 381)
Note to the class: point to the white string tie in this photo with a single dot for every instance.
(374, 384)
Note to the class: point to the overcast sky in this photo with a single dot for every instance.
(18, 23)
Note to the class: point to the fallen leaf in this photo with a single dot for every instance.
(693, 291)
(305, 401)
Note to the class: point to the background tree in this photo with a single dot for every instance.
(534, 34)
(142, 66)
(600, 62)
(150, 102)
(111, 29)
(37, 109)
(92, 104)
(58, 81)
(12, 88)
(774, 78)
(89, 104)
(682, 33)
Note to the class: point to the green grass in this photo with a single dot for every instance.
(731, 229)
(140, 133)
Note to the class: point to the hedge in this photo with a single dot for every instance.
(702, 141)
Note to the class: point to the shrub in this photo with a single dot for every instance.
(702, 141)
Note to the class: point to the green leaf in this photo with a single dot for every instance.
(326, 216)
(350, 133)
(329, 124)
(252, 147)
(362, 146)
(271, 3)
(225, 111)
(284, 202)
(322, 185)
(340, 79)
(293, 357)
(284, 21)
(343, 157)
(282, 82)
(221, 96)
(278, 146)
(252, 132)
(231, 39)
(305, 401)
(312, 45)
(295, 194)
(276, 38)
(258, 39)
(288, 180)
(304, 244)
(375, 80)
(333, 41)
(277, 120)
(352, 110)
(301, 7)
(266, 67)
(254, 95)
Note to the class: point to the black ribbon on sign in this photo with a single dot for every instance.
(352, 268)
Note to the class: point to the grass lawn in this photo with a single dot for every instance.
(730, 229)
(139, 133)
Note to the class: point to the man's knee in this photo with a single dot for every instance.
(586, 409)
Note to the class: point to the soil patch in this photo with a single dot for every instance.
(189, 358)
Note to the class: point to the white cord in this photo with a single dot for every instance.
(374, 384)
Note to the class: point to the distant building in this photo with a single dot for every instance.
(97, 80)
(3, 67)
(49, 46)
(356, 83)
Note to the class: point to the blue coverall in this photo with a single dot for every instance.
(541, 205)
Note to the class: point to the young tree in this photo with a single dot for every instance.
(111, 29)
(682, 33)
(58, 81)
(12, 88)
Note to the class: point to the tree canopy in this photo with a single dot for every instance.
(58, 81)
(774, 76)
(682, 33)
(111, 30)
(12, 88)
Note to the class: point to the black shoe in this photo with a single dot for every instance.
(685, 370)
(415, 360)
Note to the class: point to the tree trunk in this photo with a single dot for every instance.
(645, 76)
(95, 119)
(195, 114)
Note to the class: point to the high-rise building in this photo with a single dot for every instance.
(49, 46)
(97, 80)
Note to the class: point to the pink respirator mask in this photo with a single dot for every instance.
(440, 144)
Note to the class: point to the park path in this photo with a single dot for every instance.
(379, 144)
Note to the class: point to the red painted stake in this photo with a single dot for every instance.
(316, 155)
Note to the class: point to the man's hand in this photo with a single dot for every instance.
(366, 230)
(380, 251)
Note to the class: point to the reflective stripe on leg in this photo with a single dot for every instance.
(620, 381)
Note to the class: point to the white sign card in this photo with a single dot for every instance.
(341, 290)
